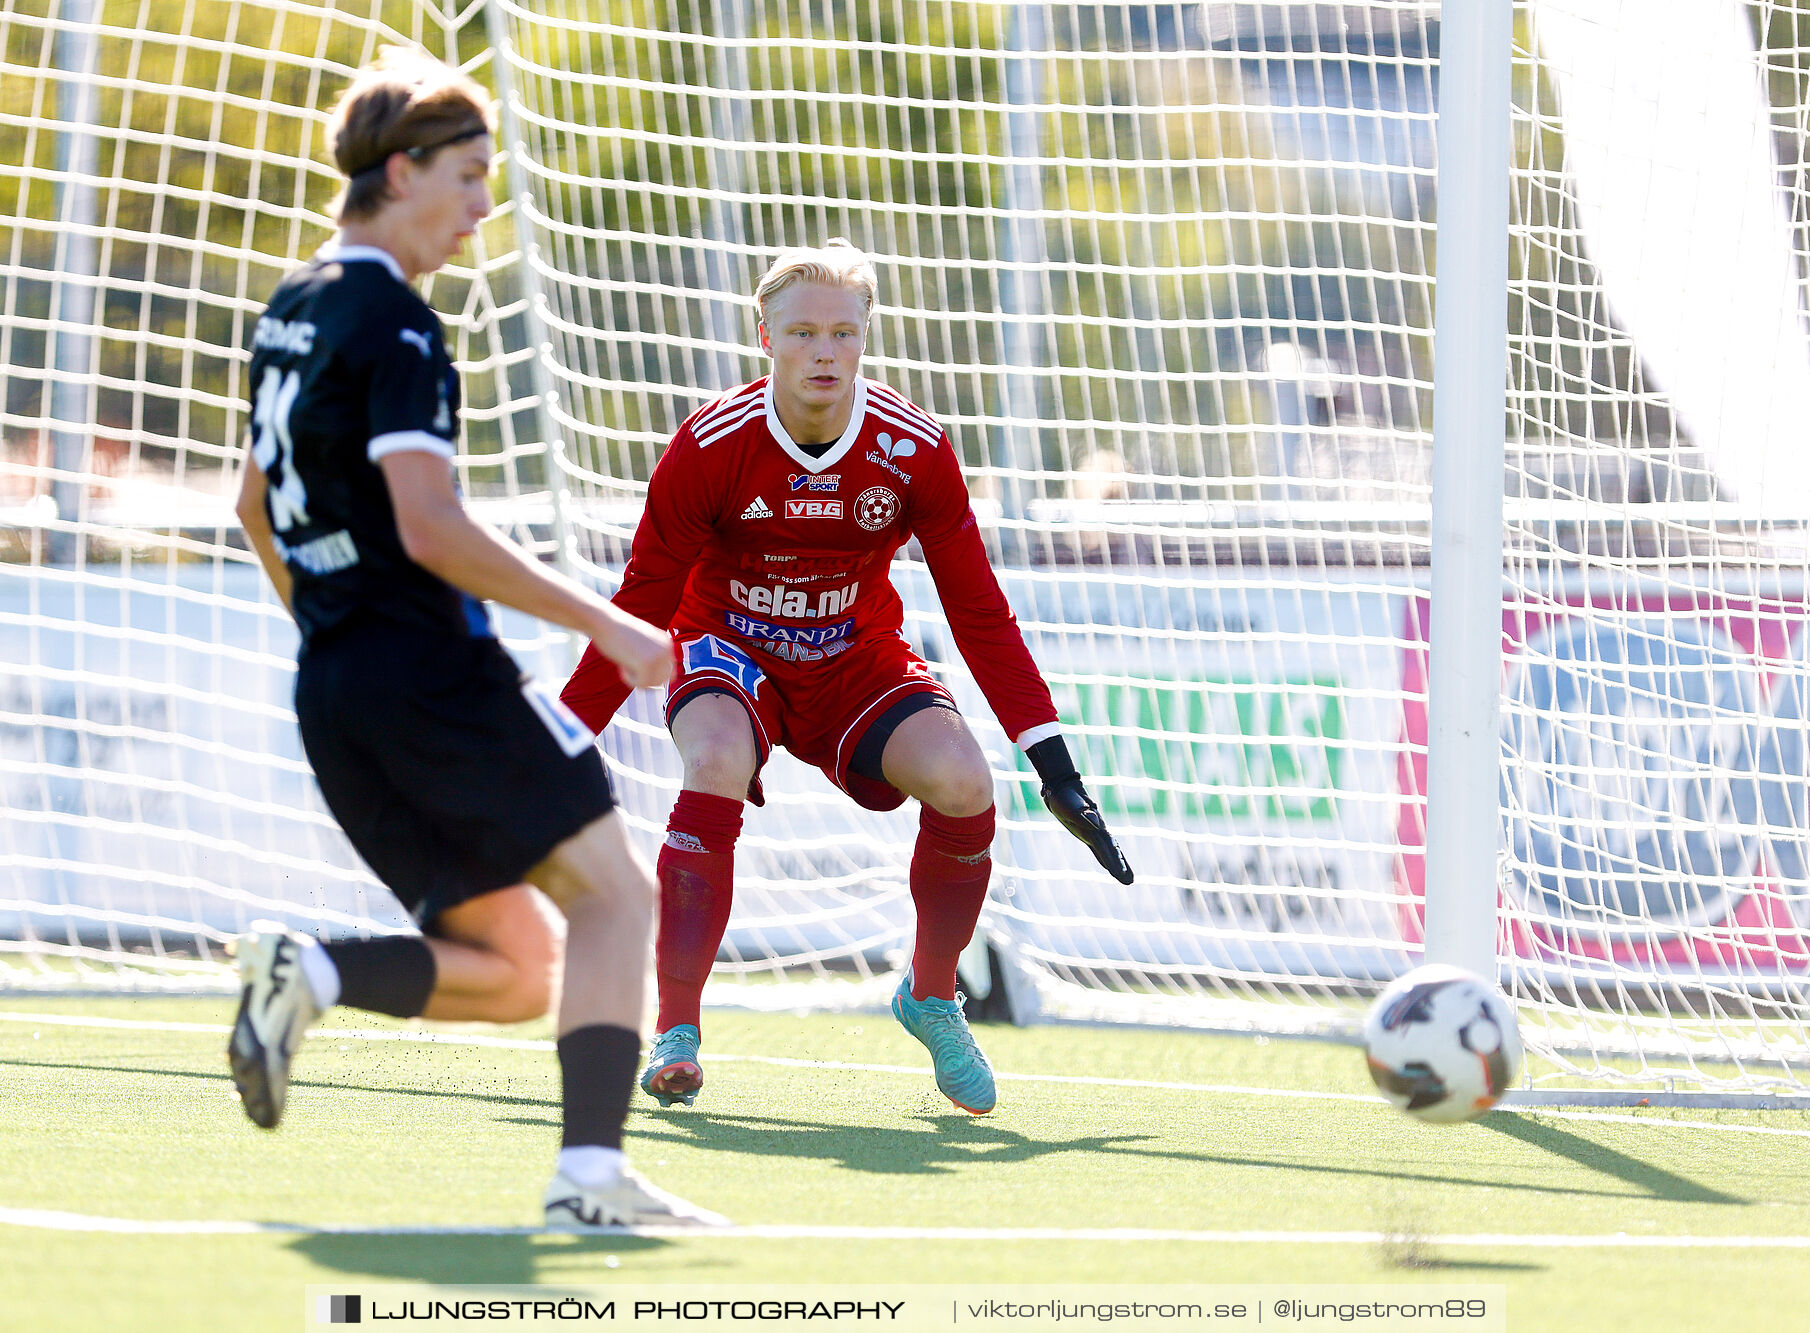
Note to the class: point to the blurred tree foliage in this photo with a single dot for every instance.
(674, 145)
(211, 178)
(1180, 238)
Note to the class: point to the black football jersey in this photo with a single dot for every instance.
(348, 365)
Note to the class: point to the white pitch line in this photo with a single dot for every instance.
(45, 1220)
(415, 1036)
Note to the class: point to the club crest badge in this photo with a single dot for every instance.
(875, 507)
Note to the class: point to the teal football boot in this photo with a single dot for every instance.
(962, 1072)
(673, 1074)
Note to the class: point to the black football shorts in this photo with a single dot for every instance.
(451, 771)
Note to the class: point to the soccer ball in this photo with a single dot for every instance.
(1442, 1043)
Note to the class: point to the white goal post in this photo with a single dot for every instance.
(1166, 271)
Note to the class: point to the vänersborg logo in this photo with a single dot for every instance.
(339, 1310)
(890, 451)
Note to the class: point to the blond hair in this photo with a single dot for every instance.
(836, 263)
(405, 101)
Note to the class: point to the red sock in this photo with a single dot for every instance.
(950, 867)
(697, 885)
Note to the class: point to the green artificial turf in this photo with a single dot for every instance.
(135, 1124)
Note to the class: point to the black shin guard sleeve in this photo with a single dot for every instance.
(392, 974)
(597, 1076)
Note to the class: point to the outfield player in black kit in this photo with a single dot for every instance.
(454, 776)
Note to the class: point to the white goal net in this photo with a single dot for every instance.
(1165, 272)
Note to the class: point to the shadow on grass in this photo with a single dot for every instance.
(950, 1141)
(473, 1260)
(941, 1143)
(1654, 1181)
(1416, 1257)
(446, 1257)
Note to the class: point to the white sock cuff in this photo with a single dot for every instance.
(591, 1165)
(322, 976)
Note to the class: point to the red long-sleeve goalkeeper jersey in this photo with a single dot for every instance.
(748, 537)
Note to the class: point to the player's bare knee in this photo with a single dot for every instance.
(963, 792)
(715, 739)
(530, 994)
(723, 770)
(581, 889)
(628, 889)
(525, 995)
(596, 867)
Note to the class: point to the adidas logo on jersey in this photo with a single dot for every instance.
(758, 509)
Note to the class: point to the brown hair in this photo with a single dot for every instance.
(837, 264)
(405, 101)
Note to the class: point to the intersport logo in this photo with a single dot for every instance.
(813, 509)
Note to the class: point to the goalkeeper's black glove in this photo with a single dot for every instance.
(1074, 809)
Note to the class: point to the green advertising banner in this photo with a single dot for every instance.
(1204, 749)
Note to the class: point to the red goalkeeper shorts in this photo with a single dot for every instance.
(818, 711)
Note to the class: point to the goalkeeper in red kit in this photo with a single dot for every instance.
(765, 548)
